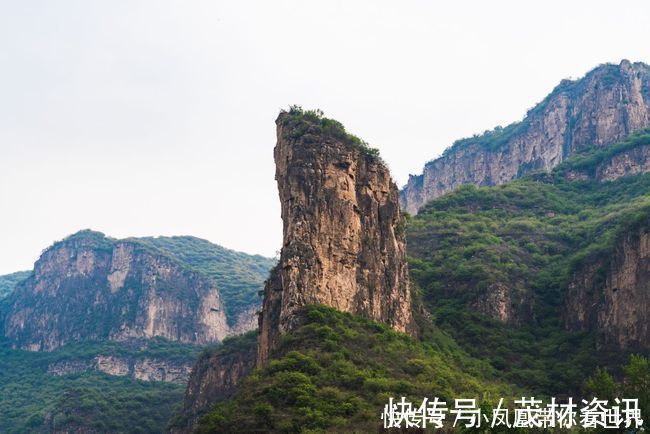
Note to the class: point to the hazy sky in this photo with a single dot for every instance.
(157, 117)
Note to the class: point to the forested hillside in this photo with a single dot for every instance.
(494, 266)
(525, 242)
(33, 399)
(8, 282)
(239, 276)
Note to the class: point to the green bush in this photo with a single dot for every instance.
(307, 123)
(310, 385)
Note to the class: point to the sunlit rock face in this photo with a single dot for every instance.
(343, 233)
(608, 104)
(612, 296)
(92, 287)
(141, 368)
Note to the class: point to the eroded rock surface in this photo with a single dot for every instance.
(608, 104)
(612, 297)
(89, 287)
(140, 368)
(343, 231)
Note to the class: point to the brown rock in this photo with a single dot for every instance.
(609, 103)
(627, 163)
(89, 287)
(343, 239)
(214, 378)
(141, 368)
(343, 247)
(612, 297)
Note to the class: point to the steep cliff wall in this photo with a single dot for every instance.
(609, 103)
(215, 377)
(139, 368)
(343, 231)
(92, 287)
(626, 163)
(510, 251)
(612, 296)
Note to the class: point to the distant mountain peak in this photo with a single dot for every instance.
(610, 102)
(90, 286)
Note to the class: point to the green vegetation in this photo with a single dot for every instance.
(529, 236)
(8, 282)
(157, 347)
(233, 349)
(307, 123)
(588, 159)
(88, 237)
(239, 276)
(490, 139)
(31, 400)
(229, 346)
(635, 384)
(336, 372)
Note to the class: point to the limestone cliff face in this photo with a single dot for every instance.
(140, 368)
(609, 103)
(626, 163)
(215, 377)
(343, 239)
(343, 246)
(92, 287)
(612, 297)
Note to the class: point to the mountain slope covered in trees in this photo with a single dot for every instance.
(493, 267)
(34, 400)
(495, 264)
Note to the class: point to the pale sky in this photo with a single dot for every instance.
(139, 118)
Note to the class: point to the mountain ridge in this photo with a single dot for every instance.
(606, 105)
(89, 264)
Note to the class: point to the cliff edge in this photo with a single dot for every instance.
(343, 230)
(606, 105)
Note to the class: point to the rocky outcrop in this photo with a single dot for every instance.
(140, 368)
(611, 296)
(215, 377)
(632, 162)
(149, 369)
(497, 303)
(8, 282)
(245, 321)
(92, 287)
(343, 246)
(609, 103)
(343, 240)
(239, 276)
(629, 157)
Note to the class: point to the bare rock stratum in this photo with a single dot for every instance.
(608, 104)
(90, 287)
(611, 296)
(343, 242)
